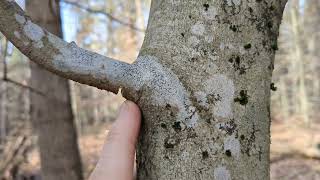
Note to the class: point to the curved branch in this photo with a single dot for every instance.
(62, 58)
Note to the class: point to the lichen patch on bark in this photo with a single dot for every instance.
(198, 29)
(222, 173)
(232, 144)
(20, 19)
(17, 34)
(193, 41)
(165, 87)
(223, 88)
(210, 13)
(33, 31)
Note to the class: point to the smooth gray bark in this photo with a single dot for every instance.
(51, 113)
(207, 109)
(202, 80)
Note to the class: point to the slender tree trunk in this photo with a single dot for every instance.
(3, 111)
(51, 114)
(284, 100)
(312, 35)
(300, 65)
(3, 95)
(139, 22)
(210, 117)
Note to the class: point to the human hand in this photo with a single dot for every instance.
(117, 158)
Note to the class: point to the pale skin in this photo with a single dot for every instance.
(118, 154)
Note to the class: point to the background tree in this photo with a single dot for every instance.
(51, 112)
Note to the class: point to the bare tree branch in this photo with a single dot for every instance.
(62, 58)
(23, 86)
(5, 77)
(108, 15)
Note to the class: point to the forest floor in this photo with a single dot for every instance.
(295, 151)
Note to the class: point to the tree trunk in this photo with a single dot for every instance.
(299, 63)
(51, 114)
(202, 81)
(312, 36)
(3, 94)
(3, 111)
(206, 108)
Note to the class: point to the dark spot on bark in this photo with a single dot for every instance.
(193, 59)
(213, 98)
(233, 28)
(208, 120)
(170, 143)
(250, 142)
(237, 64)
(258, 1)
(168, 106)
(229, 127)
(271, 66)
(269, 24)
(205, 154)
(237, 134)
(242, 137)
(260, 153)
(182, 34)
(247, 46)
(228, 153)
(192, 113)
(273, 87)
(243, 99)
(250, 10)
(163, 125)
(177, 126)
(192, 134)
(206, 6)
(230, 9)
(274, 46)
(318, 146)
(272, 8)
(242, 70)
(238, 60)
(264, 42)
(205, 52)
(190, 16)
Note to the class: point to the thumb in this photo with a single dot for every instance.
(118, 154)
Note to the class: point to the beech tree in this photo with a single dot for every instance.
(202, 80)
